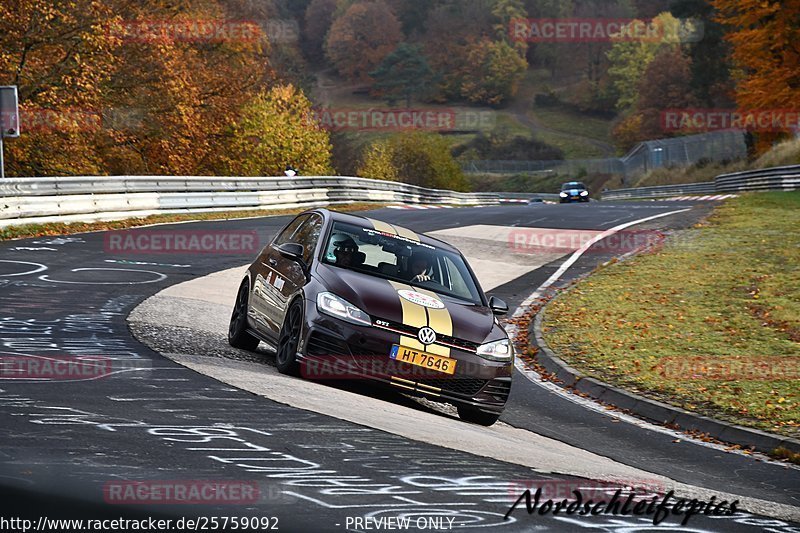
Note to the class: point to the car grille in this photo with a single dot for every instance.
(412, 332)
(499, 389)
(462, 386)
(320, 344)
(461, 343)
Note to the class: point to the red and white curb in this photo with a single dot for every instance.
(711, 198)
(414, 206)
(516, 201)
(427, 206)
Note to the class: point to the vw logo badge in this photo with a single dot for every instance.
(426, 335)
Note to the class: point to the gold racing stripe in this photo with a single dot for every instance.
(418, 316)
(407, 233)
(441, 322)
(383, 226)
(391, 229)
(413, 315)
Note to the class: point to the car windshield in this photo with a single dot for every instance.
(572, 185)
(397, 258)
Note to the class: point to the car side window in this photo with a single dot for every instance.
(456, 279)
(308, 235)
(287, 235)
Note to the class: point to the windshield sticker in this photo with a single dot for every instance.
(398, 237)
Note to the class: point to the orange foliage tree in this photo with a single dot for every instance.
(185, 85)
(665, 85)
(361, 38)
(764, 36)
(124, 87)
(60, 56)
(276, 128)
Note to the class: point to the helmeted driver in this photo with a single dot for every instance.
(344, 249)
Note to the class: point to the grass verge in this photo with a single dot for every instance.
(60, 228)
(710, 322)
(573, 148)
(568, 121)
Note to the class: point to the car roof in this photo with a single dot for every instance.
(366, 222)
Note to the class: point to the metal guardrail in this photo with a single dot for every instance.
(30, 200)
(765, 179)
(660, 191)
(773, 179)
(524, 197)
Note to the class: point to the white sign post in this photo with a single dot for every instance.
(9, 119)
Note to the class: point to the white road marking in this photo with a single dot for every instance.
(39, 268)
(578, 253)
(159, 277)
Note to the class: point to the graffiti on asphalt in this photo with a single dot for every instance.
(387, 476)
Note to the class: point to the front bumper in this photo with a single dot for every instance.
(336, 350)
(570, 199)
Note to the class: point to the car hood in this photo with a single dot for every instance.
(381, 300)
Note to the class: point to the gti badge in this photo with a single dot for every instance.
(426, 335)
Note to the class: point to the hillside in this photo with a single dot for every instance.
(242, 85)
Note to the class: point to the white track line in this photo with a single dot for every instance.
(579, 252)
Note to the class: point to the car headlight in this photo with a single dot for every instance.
(496, 351)
(584, 193)
(330, 304)
(563, 194)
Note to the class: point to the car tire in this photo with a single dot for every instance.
(468, 413)
(238, 337)
(288, 340)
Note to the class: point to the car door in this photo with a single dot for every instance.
(264, 298)
(293, 274)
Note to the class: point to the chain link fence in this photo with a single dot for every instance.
(718, 146)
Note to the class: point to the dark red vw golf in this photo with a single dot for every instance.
(338, 291)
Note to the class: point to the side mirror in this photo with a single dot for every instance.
(498, 306)
(292, 250)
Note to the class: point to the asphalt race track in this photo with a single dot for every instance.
(68, 442)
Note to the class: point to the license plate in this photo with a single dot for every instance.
(423, 359)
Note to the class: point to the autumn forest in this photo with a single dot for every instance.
(235, 87)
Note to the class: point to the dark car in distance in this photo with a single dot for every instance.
(339, 291)
(573, 191)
